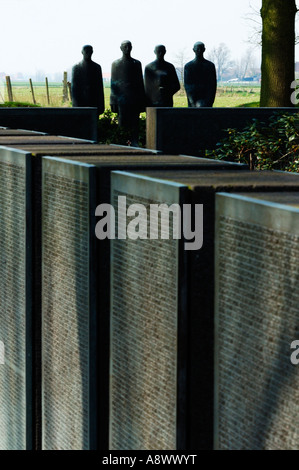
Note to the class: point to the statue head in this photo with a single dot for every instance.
(126, 47)
(160, 51)
(87, 52)
(199, 49)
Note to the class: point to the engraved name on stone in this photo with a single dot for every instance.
(2, 353)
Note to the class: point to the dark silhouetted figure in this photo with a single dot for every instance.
(127, 97)
(160, 81)
(200, 79)
(87, 82)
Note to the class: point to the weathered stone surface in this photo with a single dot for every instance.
(67, 240)
(68, 307)
(79, 149)
(23, 140)
(195, 290)
(16, 385)
(10, 132)
(256, 308)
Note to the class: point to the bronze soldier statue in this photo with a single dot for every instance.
(127, 97)
(200, 79)
(87, 82)
(160, 81)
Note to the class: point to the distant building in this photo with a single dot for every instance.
(106, 77)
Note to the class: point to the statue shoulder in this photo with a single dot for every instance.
(136, 62)
(169, 66)
(116, 62)
(209, 63)
(151, 66)
(76, 66)
(96, 66)
(190, 64)
(76, 71)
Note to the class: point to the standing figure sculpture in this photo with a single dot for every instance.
(127, 97)
(200, 79)
(87, 82)
(160, 81)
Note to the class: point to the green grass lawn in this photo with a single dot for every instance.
(22, 93)
(227, 96)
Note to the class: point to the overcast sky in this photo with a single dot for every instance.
(49, 35)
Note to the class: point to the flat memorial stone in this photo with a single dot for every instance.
(162, 312)
(76, 293)
(16, 306)
(256, 321)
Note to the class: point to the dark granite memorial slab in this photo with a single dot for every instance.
(14, 132)
(256, 321)
(148, 328)
(111, 151)
(63, 300)
(73, 122)
(284, 198)
(34, 216)
(85, 149)
(16, 387)
(163, 161)
(107, 164)
(69, 412)
(193, 130)
(23, 140)
(137, 291)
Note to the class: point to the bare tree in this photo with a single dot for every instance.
(180, 60)
(254, 17)
(246, 66)
(221, 57)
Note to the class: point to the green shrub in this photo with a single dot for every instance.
(18, 104)
(110, 133)
(272, 146)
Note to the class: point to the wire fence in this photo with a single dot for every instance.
(39, 93)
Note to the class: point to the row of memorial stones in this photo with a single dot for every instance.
(137, 356)
(130, 95)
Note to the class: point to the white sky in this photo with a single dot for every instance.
(48, 35)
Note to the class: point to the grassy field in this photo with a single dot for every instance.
(22, 93)
(227, 96)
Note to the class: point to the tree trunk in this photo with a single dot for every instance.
(278, 52)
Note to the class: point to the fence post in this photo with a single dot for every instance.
(70, 90)
(32, 91)
(2, 91)
(9, 88)
(47, 89)
(65, 94)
